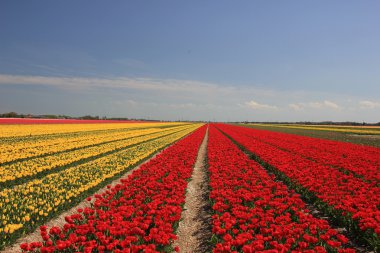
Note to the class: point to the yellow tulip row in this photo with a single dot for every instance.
(28, 205)
(11, 151)
(342, 129)
(44, 129)
(30, 167)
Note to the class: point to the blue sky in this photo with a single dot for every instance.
(206, 60)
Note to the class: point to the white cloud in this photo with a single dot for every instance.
(169, 85)
(174, 99)
(296, 107)
(326, 104)
(255, 105)
(330, 104)
(366, 104)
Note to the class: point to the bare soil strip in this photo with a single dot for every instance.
(369, 136)
(60, 220)
(194, 231)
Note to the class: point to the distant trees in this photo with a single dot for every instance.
(54, 116)
(88, 117)
(11, 115)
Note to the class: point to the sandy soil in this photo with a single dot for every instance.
(369, 136)
(194, 231)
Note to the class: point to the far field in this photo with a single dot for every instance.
(188, 187)
(365, 135)
(48, 168)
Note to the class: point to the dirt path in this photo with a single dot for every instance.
(194, 231)
(60, 220)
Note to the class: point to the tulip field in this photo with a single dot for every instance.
(45, 172)
(342, 179)
(268, 191)
(359, 134)
(335, 128)
(253, 212)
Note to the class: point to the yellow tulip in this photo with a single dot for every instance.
(46, 195)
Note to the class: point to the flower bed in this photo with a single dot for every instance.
(348, 199)
(361, 161)
(140, 214)
(254, 213)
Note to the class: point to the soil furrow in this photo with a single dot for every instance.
(194, 231)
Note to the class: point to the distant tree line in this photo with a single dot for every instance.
(53, 116)
(46, 116)
(11, 115)
(90, 117)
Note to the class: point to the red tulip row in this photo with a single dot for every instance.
(254, 213)
(363, 161)
(350, 199)
(139, 214)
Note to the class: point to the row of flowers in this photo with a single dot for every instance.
(254, 213)
(11, 151)
(139, 214)
(27, 205)
(22, 171)
(348, 199)
(17, 131)
(331, 128)
(363, 161)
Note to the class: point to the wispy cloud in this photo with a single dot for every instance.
(174, 99)
(257, 106)
(326, 104)
(131, 63)
(332, 105)
(121, 82)
(296, 107)
(366, 104)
